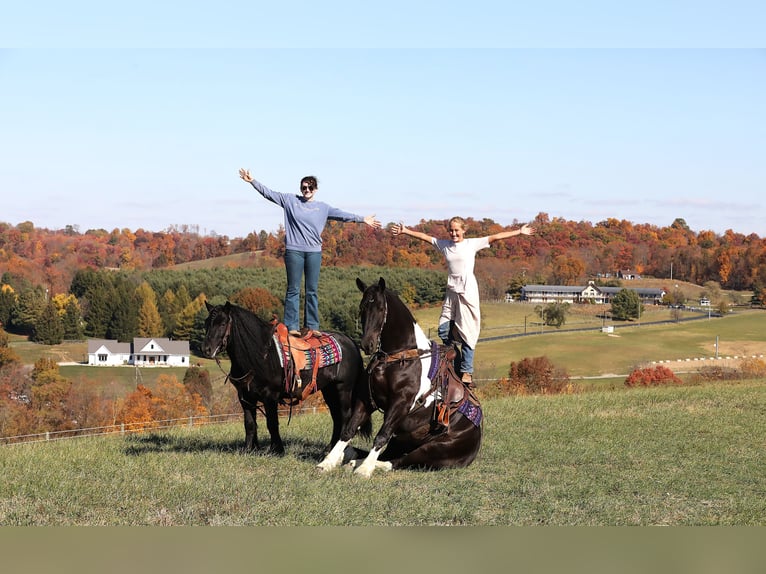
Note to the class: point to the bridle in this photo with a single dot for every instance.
(225, 339)
(380, 358)
(222, 345)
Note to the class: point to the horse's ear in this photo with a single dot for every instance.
(227, 306)
(361, 285)
(209, 306)
(382, 283)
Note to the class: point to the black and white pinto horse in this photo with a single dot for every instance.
(400, 386)
(258, 373)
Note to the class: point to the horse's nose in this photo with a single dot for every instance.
(367, 345)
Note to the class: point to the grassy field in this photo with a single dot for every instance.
(689, 455)
(596, 354)
(604, 358)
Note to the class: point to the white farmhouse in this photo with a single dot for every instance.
(108, 353)
(142, 352)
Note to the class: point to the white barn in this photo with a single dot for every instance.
(142, 352)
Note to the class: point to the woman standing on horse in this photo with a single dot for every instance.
(461, 303)
(305, 219)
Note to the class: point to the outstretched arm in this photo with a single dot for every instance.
(525, 229)
(270, 194)
(399, 228)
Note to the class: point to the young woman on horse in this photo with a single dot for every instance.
(305, 219)
(461, 303)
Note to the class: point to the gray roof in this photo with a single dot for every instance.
(643, 291)
(164, 346)
(112, 346)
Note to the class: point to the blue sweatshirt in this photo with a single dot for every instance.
(304, 220)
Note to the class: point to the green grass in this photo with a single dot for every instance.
(593, 353)
(581, 353)
(660, 456)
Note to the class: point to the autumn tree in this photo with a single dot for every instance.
(259, 301)
(49, 397)
(567, 270)
(7, 303)
(7, 355)
(149, 321)
(172, 400)
(197, 382)
(136, 411)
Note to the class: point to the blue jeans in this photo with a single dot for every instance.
(466, 352)
(298, 264)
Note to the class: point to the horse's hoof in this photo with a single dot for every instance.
(364, 471)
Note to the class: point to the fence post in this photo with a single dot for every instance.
(122, 428)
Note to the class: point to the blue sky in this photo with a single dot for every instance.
(141, 125)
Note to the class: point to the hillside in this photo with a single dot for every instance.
(688, 456)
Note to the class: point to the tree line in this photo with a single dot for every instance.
(561, 252)
(122, 305)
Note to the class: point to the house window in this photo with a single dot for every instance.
(102, 358)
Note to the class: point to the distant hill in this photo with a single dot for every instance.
(248, 259)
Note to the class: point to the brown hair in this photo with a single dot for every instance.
(311, 180)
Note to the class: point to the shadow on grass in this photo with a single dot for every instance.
(152, 442)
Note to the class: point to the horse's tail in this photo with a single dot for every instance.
(366, 429)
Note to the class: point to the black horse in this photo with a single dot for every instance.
(258, 371)
(400, 384)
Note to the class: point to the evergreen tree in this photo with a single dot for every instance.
(185, 325)
(123, 325)
(166, 307)
(28, 309)
(49, 329)
(626, 304)
(96, 294)
(72, 321)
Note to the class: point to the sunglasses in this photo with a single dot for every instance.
(307, 187)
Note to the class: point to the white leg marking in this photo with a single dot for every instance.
(424, 344)
(368, 466)
(334, 457)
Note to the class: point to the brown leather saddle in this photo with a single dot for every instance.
(301, 354)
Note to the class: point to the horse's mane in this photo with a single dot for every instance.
(250, 335)
(397, 305)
